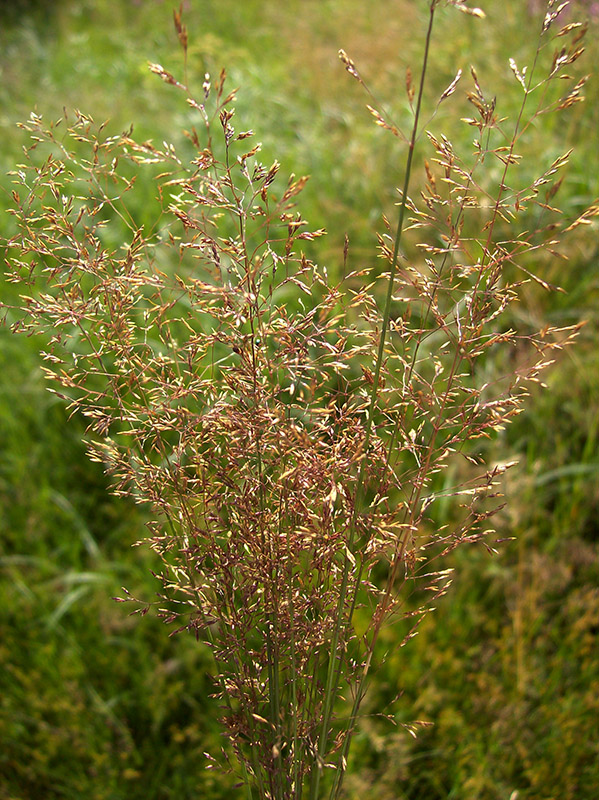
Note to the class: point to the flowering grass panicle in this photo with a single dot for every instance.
(290, 433)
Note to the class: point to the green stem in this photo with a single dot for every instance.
(415, 499)
(272, 654)
(333, 672)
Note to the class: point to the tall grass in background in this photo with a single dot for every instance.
(293, 433)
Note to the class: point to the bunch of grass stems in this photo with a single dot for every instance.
(292, 435)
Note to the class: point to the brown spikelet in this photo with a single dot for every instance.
(349, 65)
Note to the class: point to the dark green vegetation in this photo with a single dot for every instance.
(95, 703)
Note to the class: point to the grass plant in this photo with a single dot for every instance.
(296, 429)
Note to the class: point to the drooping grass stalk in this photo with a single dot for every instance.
(334, 670)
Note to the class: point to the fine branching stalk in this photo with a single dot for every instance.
(292, 431)
(333, 672)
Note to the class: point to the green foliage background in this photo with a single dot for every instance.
(94, 703)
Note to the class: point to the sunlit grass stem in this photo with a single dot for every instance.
(332, 669)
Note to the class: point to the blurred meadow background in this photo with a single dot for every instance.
(95, 703)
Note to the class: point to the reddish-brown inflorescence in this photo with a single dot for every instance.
(287, 434)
